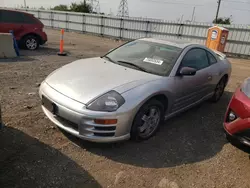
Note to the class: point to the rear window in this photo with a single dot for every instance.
(15, 17)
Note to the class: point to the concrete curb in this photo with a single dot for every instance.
(7, 46)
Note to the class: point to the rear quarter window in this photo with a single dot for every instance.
(211, 58)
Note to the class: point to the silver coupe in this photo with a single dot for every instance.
(131, 90)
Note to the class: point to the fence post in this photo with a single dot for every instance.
(52, 19)
(38, 14)
(147, 30)
(83, 23)
(67, 22)
(180, 30)
(102, 25)
(121, 27)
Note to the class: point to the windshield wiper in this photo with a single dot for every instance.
(134, 65)
(108, 59)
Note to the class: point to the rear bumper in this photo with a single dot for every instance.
(42, 42)
(44, 38)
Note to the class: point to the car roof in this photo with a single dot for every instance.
(176, 42)
(12, 10)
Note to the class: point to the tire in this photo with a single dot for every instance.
(140, 132)
(219, 90)
(30, 42)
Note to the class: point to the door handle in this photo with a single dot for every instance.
(209, 77)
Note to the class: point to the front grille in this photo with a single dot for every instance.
(105, 128)
(104, 134)
(67, 123)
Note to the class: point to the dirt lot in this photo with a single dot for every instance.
(189, 151)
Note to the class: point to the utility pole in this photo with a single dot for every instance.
(193, 15)
(218, 9)
(24, 3)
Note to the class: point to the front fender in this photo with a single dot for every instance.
(138, 96)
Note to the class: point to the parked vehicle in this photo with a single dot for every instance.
(237, 118)
(27, 29)
(128, 92)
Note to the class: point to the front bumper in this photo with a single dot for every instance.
(74, 118)
(238, 130)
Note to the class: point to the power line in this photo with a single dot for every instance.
(123, 9)
(175, 3)
(196, 5)
(247, 10)
(231, 1)
(191, 4)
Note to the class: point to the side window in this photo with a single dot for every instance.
(211, 58)
(1, 16)
(28, 19)
(12, 17)
(195, 58)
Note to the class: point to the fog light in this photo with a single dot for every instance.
(232, 116)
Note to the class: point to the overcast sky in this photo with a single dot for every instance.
(163, 9)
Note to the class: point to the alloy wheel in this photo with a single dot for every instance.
(151, 120)
(31, 44)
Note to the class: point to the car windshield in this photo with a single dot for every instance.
(155, 58)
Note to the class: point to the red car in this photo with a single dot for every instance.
(237, 118)
(28, 30)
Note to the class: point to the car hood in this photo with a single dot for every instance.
(86, 79)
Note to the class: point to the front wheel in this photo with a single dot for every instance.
(147, 120)
(30, 42)
(219, 90)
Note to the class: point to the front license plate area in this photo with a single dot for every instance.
(49, 105)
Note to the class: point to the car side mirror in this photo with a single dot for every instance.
(187, 71)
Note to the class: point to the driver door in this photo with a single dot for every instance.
(188, 90)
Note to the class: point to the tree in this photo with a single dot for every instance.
(81, 7)
(226, 21)
(61, 8)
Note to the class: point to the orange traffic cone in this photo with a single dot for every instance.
(62, 53)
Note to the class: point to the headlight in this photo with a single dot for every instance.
(245, 88)
(108, 102)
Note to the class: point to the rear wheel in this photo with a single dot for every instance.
(147, 120)
(219, 90)
(30, 42)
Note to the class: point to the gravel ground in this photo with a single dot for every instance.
(189, 151)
